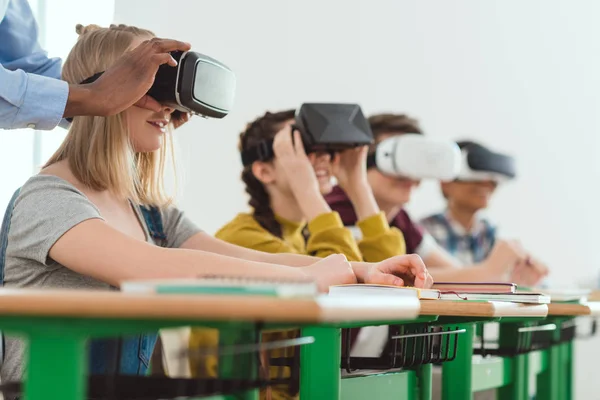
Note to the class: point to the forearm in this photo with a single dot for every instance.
(28, 100)
(129, 258)
(79, 101)
(194, 263)
(311, 203)
(363, 201)
(298, 260)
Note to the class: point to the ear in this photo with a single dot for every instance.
(264, 172)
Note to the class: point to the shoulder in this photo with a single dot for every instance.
(243, 223)
(44, 193)
(432, 220)
(245, 231)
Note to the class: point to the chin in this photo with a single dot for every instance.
(325, 189)
(147, 146)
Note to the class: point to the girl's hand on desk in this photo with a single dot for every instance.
(332, 270)
(407, 270)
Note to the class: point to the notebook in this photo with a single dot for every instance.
(224, 285)
(383, 290)
(475, 287)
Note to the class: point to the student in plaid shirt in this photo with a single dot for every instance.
(461, 229)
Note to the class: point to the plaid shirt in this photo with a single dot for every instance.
(468, 247)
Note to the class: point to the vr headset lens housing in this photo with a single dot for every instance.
(327, 127)
(199, 85)
(332, 127)
(481, 164)
(417, 157)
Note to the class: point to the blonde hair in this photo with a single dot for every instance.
(98, 149)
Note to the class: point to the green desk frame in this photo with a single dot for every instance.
(62, 342)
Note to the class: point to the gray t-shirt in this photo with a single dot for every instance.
(46, 208)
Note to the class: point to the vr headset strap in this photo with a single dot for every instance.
(371, 160)
(261, 152)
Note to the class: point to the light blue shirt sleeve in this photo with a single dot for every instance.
(31, 92)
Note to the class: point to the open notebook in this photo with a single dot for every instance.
(224, 285)
(434, 294)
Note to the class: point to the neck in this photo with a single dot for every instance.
(390, 210)
(463, 215)
(286, 207)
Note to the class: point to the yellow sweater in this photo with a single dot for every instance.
(327, 235)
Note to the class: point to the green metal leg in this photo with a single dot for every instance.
(456, 374)
(240, 365)
(567, 359)
(424, 376)
(518, 388)
(320, 373)
(57, 368)
(548, 382)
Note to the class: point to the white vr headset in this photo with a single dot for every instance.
(417, 157)
(480, 164)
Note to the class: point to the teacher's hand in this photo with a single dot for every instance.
(126, 82)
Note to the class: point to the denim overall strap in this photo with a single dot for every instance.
(3, 245)
(129, 355)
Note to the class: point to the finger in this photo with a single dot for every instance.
(428, 281)
(298, 144)
(417, 266)
(164, 58)
(380, 278)
(167, 45)
(149, 103)
(282, 144)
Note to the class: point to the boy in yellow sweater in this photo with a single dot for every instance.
(286, 196)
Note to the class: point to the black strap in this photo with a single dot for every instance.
(371, 160)
(263, 151)
(86, 81)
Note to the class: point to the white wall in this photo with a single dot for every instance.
(520, 76)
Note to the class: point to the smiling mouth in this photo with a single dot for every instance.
(160, 125)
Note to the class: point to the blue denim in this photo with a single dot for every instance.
(136, 350)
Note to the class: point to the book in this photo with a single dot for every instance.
(434, 294)
(225, 285)
(531, 298)
(564, 295)
(363, 289)
(475, 287)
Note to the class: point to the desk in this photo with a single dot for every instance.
(556, 381)
(458, 375)
(58, 323)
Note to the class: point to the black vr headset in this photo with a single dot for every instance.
(198, 84)
(482, 164)
(327, 127)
